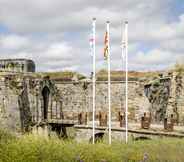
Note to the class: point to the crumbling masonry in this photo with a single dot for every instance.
(27, 101)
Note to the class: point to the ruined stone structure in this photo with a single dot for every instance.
(28, 102)
(17, 65)
(166, 96)
(158, 93)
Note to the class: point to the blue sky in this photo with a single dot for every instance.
(3, 29)
(177, 8)
(55, 34)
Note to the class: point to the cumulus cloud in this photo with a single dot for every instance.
(55, 34)
(13, 42)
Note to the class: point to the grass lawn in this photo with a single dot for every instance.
(31, 148)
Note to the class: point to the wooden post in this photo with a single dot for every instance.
(169, 126)
(103, 119)
(80, 118)
(145, 122)
(121, 118)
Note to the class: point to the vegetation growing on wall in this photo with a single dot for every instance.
(63, 76)
(120, 75)
(179, 68)
(158, 92)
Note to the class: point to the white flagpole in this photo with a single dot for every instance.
(94, 75)
(123, 60)
(109, 80)
(126, 64)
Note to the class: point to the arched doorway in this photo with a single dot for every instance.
(45, 94)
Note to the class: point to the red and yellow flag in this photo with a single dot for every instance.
(106, 42)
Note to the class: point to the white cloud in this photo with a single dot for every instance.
(13, 42)
(153, 57)
(58, 51)
(55, 33)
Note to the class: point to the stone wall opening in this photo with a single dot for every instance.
(140, 138)
(98, 137)
(45, 94)
(59, 129)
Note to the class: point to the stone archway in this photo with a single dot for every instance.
(45, 94)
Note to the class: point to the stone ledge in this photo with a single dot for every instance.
(143, 132)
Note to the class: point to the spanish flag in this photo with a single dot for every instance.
(106, 43)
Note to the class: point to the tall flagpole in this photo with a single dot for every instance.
(94, 75)
(109, 81)
(123, 60)
(126, 89)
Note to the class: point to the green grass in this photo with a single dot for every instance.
(38, 149)
(63, 74)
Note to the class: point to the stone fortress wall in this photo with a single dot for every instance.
(22, 99)
(27, 100)
(161, 97)
(77, 98)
